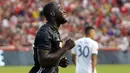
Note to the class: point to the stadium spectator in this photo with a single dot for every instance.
(19, 20)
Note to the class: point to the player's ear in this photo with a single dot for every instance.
(52, 14)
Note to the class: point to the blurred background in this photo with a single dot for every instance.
(20, 19)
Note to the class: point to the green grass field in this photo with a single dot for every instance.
(70, 69)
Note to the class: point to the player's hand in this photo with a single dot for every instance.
(64, 62)
(69, 44)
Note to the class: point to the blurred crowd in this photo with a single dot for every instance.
(20, 19)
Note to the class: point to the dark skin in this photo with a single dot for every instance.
(64, 62)
(47, 59)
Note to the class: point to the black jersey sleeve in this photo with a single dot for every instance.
(44, 40)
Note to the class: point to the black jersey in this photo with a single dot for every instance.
(47, 38)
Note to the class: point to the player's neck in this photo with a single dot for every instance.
(54, 24)
(87, 36)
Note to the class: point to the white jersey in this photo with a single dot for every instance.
(83, 50)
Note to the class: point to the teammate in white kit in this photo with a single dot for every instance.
(85, 52)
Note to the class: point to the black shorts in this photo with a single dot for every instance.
(34, 69)
(44, 70)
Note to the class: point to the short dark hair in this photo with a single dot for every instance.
(87, 29)
(50, 7)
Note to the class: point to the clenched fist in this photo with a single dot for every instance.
(64, 62)
(69, 44)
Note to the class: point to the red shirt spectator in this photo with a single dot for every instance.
(99, 20)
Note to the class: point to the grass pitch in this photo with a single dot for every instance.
(70, 69)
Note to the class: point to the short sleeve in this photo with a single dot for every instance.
(95, 48)
(73, 51)
(43, 40)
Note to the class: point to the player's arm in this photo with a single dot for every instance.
(47, 59)
(73, 51)
(64, 62)
(94, 56)
(74, 59)
(94, 62)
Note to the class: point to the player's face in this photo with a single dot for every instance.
(92, 33)
(61, 15)
(62, 10)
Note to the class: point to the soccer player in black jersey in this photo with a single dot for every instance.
(47, 52)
